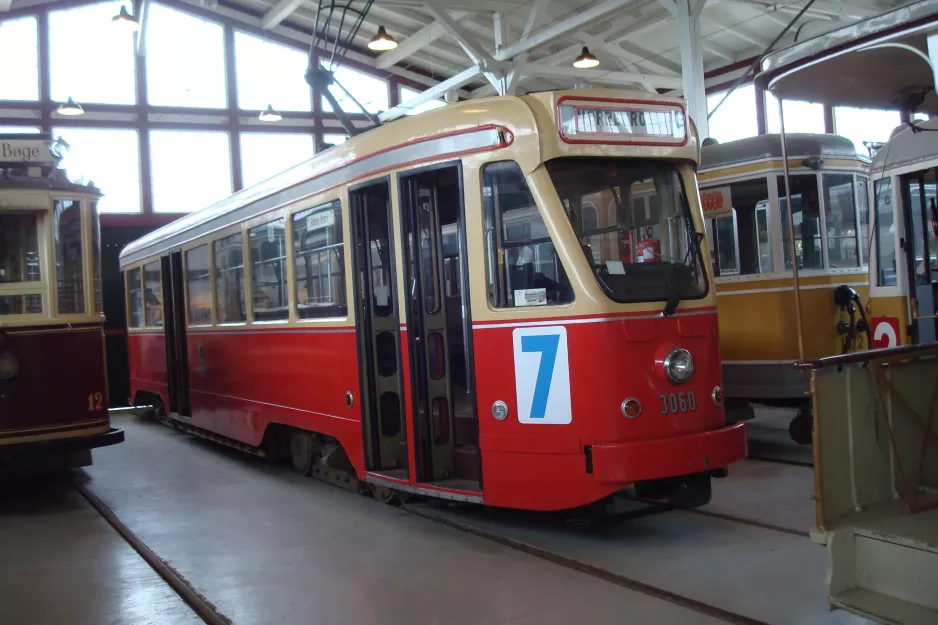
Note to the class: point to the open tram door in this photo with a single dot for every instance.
(418, 404)
(174, 325)
(876, 457)
(920, 244)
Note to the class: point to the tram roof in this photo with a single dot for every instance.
(765, 147)
(880, 62)
(459, 128)
(908, 147)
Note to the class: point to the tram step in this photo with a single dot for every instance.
(887, 571)
(467, 463)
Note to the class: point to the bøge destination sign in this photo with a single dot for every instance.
(32, 151)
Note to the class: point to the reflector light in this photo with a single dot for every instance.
(631, 408)
(717, 396)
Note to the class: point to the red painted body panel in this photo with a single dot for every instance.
(60, 390)
(611, 359)
(243, 380)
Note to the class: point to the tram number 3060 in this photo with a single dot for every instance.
(678, 402)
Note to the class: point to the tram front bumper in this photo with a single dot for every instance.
(627, 463)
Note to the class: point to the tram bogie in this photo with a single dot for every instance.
(53, 388)
(505, 302)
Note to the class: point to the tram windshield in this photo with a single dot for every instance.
(633, 222)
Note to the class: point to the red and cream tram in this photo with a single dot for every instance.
(504, 301)
(53, 387)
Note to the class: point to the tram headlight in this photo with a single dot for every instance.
(9, 365)
(678, 365)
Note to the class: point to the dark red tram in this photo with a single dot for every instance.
(53, 387)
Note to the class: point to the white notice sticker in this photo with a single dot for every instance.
(530, 297)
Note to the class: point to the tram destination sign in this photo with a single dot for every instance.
(638, 123)
(22, 151)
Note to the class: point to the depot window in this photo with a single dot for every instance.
(523, 268)
(266, 154)
(269, 271)
(736, 117)
(19, 49)
(185, 59)
(229, 279)
(319, 262)
(111, 56)
(110, 158)
(371, 92)
(69, 267)
(258, 86)
(191, 169)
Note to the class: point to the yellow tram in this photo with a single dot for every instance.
(742, 187)
(904, 262)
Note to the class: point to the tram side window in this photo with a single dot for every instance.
(269, 271)
(319, 262)
(840, 218)
(742, 245)
(134, 304)
(806, 217)
(885, 234)
(199, 286)
(69, 268)
(96, 258)
(523, 267)
(19, 243)
(153, 295)
(229, 279)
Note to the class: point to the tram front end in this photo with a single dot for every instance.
(617, 354)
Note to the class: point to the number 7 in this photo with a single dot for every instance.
(546, 344)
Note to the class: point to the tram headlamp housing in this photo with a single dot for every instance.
(9, 365)
(678, 365)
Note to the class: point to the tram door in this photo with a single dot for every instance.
(438, 323)
(174, 314)
(921, 248)
(379, 335)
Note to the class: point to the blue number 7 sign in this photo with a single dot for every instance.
(542, 375)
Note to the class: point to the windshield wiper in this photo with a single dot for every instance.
(676, 281)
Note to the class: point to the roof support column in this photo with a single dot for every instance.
(687, 17)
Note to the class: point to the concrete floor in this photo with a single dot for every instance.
(61, 563)
(267, 546)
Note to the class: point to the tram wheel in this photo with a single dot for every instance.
(387, 496)
(301, 451)
(801, 427)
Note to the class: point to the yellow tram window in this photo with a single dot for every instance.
(319, 262)
(523, 267)
(134, 301)
(741, 241)
(807, 220)
(69, 271)
(21, 304)
(886, 263)
(19, 248)
(153, 295)
(269, 271)
(229, 279)
(199, 286)
(840, 220)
